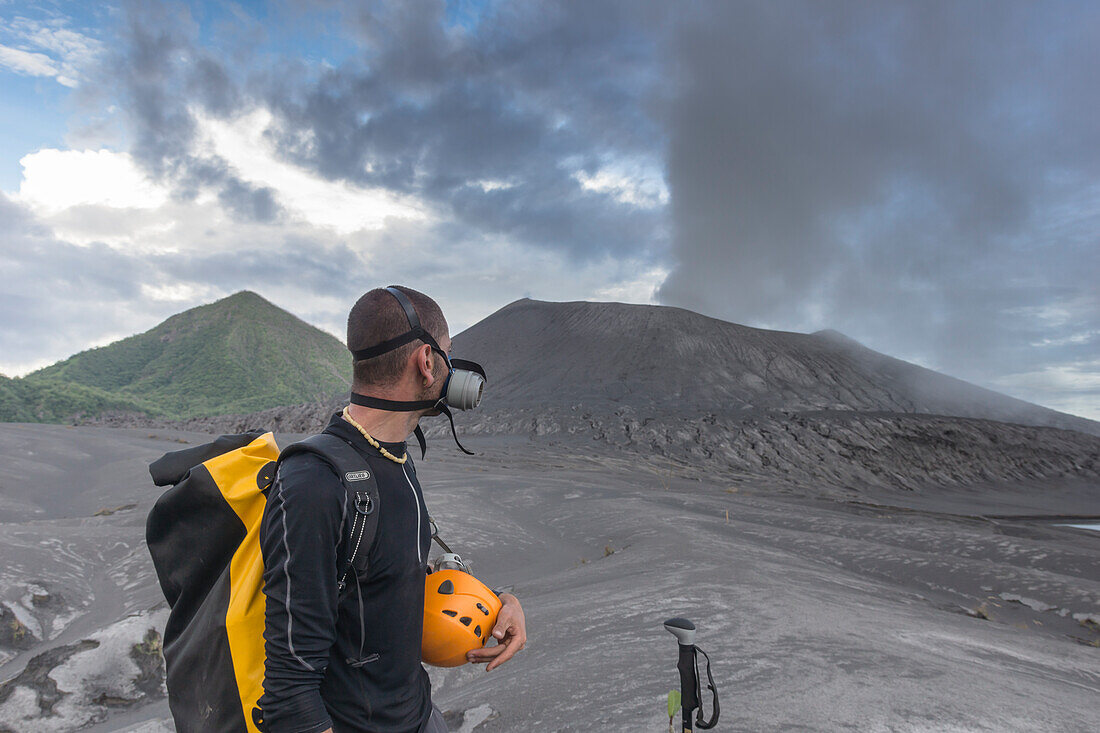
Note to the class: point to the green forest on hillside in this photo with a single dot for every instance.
(44, 400)
(239, 354)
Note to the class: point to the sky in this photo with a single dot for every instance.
(921, 176)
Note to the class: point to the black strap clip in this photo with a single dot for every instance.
(364, 503)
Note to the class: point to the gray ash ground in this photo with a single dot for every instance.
(880, 605)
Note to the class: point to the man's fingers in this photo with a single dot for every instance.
(499, 654)
(510, 647)
(484, 654)
(505, 623)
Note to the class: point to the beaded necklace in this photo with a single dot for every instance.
(374, 443)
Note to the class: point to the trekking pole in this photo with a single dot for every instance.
(688, 665)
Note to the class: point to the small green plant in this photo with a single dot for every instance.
(673, 706)
(150, 645)
(148, 655)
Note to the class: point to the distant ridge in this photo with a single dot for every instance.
(674, 361)
(238, 354)
(668, 385)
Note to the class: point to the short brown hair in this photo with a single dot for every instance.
(377, 317)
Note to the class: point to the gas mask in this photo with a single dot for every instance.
(462, 389)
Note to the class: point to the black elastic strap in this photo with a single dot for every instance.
(714, 709)
(392, 405)
(420, 439)
(450, 416)
(470, 366)
(395, 406)
(417, 334)
(406, 305)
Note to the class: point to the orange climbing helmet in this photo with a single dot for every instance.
(459, 615)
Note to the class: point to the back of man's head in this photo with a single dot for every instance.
(377, 317)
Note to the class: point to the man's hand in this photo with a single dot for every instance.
(510, 633)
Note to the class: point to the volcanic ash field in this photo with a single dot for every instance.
(886, 611)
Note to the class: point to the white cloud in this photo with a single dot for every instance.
(641, 289)
(1073, 376)
(88, 196)
(23, 368)
(1073, 387)
(488, 185)
(1073, 339)
(332, 204)
(634, 184)
(48, 50)
(177, 292)
(54, 180)
(28, 63)
(1051, 315)
(66, 43)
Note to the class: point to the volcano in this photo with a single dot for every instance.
(664, 360)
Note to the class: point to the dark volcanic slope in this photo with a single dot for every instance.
(804, 410)
(656, 358)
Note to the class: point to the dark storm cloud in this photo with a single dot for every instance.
(921, 175)
(160, 71)
(253, 203)
(491, 122)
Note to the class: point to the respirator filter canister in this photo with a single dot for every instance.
(465, 385)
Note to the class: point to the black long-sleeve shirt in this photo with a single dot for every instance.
(351, 659)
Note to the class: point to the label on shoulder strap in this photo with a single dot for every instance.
(357, 475)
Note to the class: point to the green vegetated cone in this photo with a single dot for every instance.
(238, 355)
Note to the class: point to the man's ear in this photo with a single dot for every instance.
(424, 362)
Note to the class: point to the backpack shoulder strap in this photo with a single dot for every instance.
(361, 487)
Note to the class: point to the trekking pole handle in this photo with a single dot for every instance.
(684, 631)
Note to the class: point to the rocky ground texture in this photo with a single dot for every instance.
(924, 608)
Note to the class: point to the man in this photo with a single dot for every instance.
(343, 653)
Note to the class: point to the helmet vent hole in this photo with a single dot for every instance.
(477, 631)
(465, 620)
(452, 614)
(447, 588)
(483, 609)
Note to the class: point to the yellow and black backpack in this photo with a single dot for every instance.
(203, 535)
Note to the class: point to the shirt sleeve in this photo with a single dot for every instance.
(301, 529)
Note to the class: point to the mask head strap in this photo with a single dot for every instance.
(394, 406)
(416, 332)
(407, 306)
